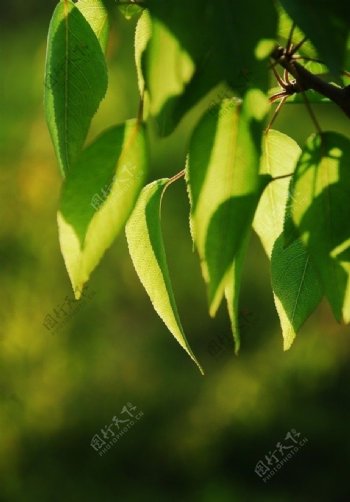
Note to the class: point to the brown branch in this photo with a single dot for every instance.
(306, 80)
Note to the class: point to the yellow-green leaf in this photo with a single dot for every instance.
(296, 287)
(142, 37)
(164, 67)
(146, 247)
(98, 197)
(279, 158)
(321, 212)
(96, 14)
(224, 184)
(232, 290)
(295, 284)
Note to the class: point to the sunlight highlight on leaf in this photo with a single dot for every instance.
(146, 248)
(295, 284)
(320, 210)
(98, 197)
(96, 14)
(224, 187)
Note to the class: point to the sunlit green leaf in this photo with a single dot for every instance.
(295, 284)
(285, 24)
(321, 212)
(142, 37)
(163, 65)
(224, 184)
(96, 14)
(232, 290)
(280, 156)
(227, 231)
(146, 249)
(98, 197)
(223, 43)
(76, 81)
(296, 287)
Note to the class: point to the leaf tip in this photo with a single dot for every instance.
(77, 292)
(288, 342)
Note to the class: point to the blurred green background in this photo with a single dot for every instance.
(200, 438)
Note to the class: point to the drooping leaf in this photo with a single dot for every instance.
(76, 81)
(143, 34)
(323, 21)
(96, 14)
(296, 287)
(321, 212)
(232, 290)
(290, 231)
(146, 247)
(227, 231)
(279, 158)
(295, 284)
(226, 47)
(224, 185)
(164, 67)
(98, 197)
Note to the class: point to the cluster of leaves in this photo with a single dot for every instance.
(238, 176)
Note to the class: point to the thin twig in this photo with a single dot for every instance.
(282, 176)
(176, 177)
(274, 116)
(307, 80)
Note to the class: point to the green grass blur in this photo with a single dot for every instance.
(200, 437)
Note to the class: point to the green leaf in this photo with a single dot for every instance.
(128, 10)
(326, 24)
(227, 231)
(223, 43)
(164, 67)
(223, 182)
(295, 284)
(143, 34)
(146, 247)
(279, 158)
(321, 212)
(96, 14)
(232, 290)
(76, 81)
(296, 287)
(98, 197)
(285, 24)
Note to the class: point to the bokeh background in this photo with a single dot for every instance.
(199, 438)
